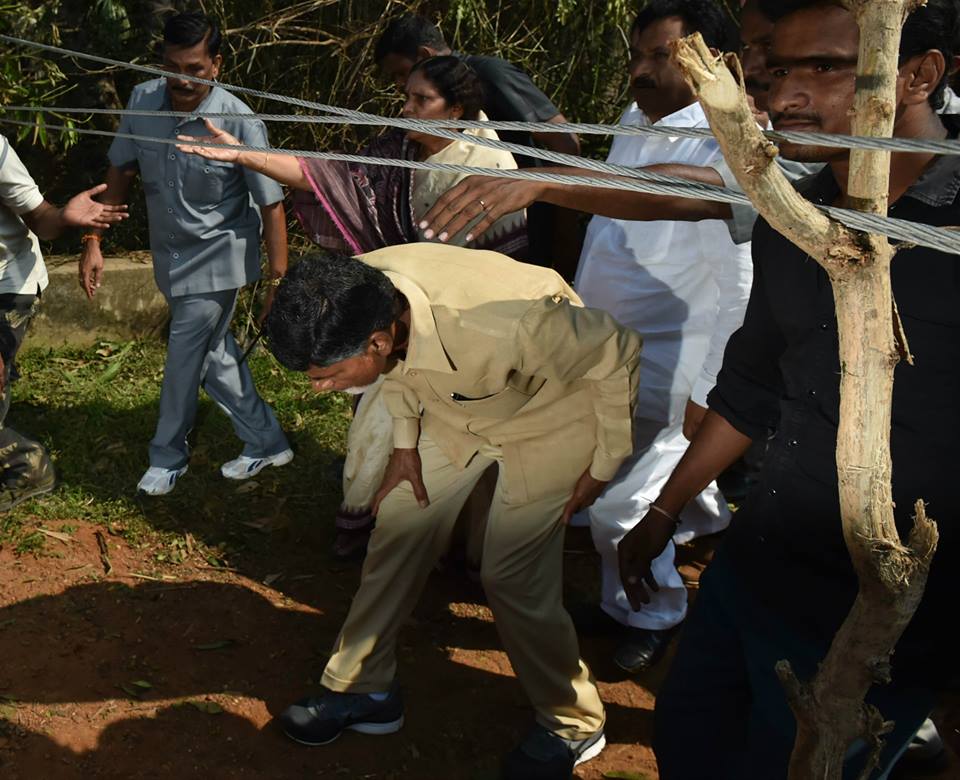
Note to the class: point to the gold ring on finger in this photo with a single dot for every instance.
(483, 206)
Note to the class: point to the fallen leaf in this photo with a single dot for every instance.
(129, 690)
(248, 487)
(142, 684)
(65, 538)
(268, 580)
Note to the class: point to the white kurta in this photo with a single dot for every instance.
(684, 286)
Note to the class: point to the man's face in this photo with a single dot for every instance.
(656, 82)
(812, 62)
(755, 32)
(396, 68)
(189, 61)
(354, 374)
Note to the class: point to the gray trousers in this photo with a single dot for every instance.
(202, 351)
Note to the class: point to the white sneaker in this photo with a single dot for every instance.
(158, 482)
(245, 467)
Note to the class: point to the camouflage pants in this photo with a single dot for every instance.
(22, 460)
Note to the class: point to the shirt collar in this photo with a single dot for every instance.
(937, 186)
(424, 348)
(688, 116)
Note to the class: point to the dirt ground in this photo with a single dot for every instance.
(152, 671)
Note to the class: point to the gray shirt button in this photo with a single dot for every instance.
(169, 183)
(173, 157)
(176, 255)
(171, 235)
(169, 211)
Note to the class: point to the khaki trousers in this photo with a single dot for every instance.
(522, 574)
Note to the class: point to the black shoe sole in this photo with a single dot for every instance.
(375, 729)
(26, 496)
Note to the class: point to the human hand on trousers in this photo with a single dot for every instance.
(585, 492)
(692, 417)
(404, 466)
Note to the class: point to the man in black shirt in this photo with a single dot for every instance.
(782, 582)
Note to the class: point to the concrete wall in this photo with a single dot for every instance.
(127, 305)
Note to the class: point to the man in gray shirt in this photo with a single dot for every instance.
(205, 220)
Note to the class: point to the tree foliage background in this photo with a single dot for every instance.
(312, 49)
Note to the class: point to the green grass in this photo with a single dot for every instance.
(95, 410)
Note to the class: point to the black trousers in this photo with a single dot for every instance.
(721, 713)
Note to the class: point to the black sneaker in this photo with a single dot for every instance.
(545, 756)
(319, 720)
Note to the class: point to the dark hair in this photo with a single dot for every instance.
(407, 33)
(702, 16)
(935, 25)
(190, 29)
(456, 81)
(326, 309)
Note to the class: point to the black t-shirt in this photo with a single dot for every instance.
(781, 372)
(510, 95)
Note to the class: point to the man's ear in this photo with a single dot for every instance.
(381, 343)
(424, 52)
(456, 112)
(217, 63)
(921, 75)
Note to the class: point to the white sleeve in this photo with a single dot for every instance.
(18, 191)
(732, 267)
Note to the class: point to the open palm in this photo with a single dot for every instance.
(217, 136)
(83, 211)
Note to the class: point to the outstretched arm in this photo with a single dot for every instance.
(284, 168)
(81, 211)
(499, 196)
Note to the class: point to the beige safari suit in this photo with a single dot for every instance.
(503, 363)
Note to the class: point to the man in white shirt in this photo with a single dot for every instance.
(25, 467)
(684, 286)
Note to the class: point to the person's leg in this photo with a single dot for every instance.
(405, 544)
(522, 574)
(16, 312)
(194, 322)
(621, 506)
(703, 707)
(25, 466)
(227, 379)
